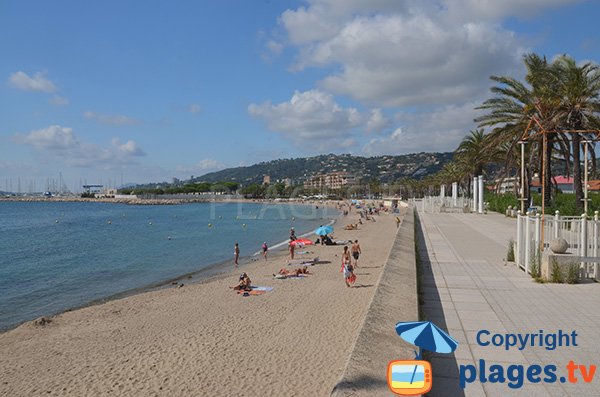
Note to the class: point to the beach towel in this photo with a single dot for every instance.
(256, 290)
(265, 289)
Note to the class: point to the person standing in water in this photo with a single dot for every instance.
(236, 254)
(265, 249)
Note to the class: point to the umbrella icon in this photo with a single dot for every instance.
(323, 230)
(426, 335)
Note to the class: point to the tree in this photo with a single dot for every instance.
(517, 105)
(578, 92)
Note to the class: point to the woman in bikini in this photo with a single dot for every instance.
(347, 268)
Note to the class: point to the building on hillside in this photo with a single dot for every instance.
(332, 180)
(266, 179)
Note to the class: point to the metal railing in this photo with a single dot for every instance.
(439, 204)
(580, 232)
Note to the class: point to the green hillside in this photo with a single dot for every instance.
(384, 168)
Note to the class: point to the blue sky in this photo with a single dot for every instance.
(100, 92)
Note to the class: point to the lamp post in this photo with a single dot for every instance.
(585, 176)
(522, 199)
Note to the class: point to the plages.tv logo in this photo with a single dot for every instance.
(413, 377)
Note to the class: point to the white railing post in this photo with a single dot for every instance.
(537, 234)
(527, 244)
(595, 244)
(454, 193)
(556, 224)
(475, 194)
(583, 236)
(480, 195)
(519, 243)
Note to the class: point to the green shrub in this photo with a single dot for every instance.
(573, 273)
(510, 255)
(535, 267)
(556, 276)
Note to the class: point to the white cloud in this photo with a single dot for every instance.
(377, 121)
(37, 82)
(129, 148)
(311, 118)
(408, 53)
(113, 120)
(438, 130)
(194, 108)
(54, 137)
(58, 101)
(202, 166)
(63, 145)
(275, 47)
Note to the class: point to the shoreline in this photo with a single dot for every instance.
(192, 335)
(204, 274)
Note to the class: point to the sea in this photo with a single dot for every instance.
(56, 256)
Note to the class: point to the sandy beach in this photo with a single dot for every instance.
(204, 338)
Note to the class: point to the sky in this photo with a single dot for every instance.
(114, 92)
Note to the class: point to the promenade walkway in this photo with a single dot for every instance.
(467, 286)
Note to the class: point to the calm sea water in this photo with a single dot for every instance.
(55, 256)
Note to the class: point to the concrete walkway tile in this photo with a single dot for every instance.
(493, 354)
(478, 306)
(445, 387)
(502, 390)
(478, 314)
(462, 297)
(446, 321)
(478, 324)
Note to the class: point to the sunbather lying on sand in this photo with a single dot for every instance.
(283, 273)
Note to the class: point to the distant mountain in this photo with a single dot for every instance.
(383, 168)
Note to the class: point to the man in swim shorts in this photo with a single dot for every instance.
(356, 252)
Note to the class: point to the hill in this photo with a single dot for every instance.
(384, 168)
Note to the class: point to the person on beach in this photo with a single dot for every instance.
(397, 222)
(265, 249)
(236, 254)
(292, 234)
(244, 284)
(283, 273)
(292, 247)
(356, 252)
(347, 269)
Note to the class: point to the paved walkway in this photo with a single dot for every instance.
(467, 287)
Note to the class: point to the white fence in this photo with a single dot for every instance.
(437, 204)
(580, 232)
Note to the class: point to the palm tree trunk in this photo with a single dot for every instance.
(577, 173)
(548, 171)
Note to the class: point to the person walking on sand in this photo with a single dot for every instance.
(356, 252)
(236, 254)
(347, 269)
(265, 249)
(292, 234)
(292, 247)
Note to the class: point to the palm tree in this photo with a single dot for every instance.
(579, 92)
(517, 105)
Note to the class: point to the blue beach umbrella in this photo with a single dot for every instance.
(426, 335)
(323, 230)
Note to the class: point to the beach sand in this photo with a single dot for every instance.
(203, 339)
